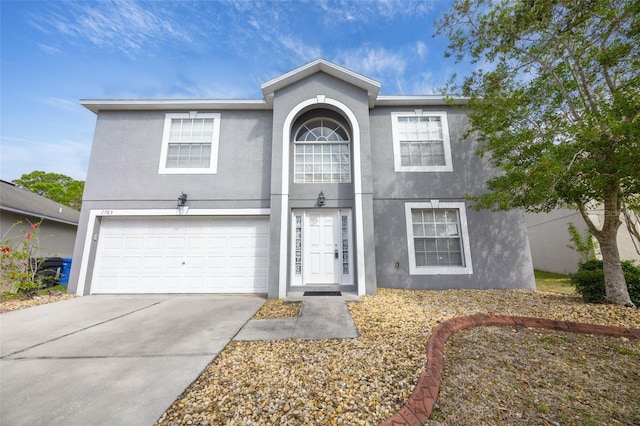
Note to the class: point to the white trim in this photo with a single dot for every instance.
(97, 105)
(467, 269)
(297, 280)
(215, 140)
(38, 215)
(96, 213)
(320, 65)
(284, 193)
(343, 279)
(446, 142)
(176, 212)
(357, 185)
(412, 100)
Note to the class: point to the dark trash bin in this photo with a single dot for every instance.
(49, 269)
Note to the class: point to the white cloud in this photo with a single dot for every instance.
(373, 62)
(367, 11)
(120, 25)
(50, 50)
(61, 103)
(424, 84)
(301, 50)
(421, 49)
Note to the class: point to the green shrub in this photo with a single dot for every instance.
(589, 281)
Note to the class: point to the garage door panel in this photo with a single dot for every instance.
(196, 242)
(113, 242)
(181, 255)
(154, 243)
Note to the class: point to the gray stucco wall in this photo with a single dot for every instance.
(126, 155)
(55, 239)
(123, 174)
(304, 195)
(123, 170)
(499, 245)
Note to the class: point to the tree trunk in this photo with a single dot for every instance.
(615, 284)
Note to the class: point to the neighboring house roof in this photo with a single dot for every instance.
(372, 88)
(18, 200)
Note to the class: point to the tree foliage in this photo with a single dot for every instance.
(555, 100)
(54, 186)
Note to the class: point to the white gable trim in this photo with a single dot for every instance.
(357, 185)
(320, 65)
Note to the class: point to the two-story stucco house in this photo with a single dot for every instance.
(321, 185)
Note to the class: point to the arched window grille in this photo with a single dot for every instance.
(322, 152)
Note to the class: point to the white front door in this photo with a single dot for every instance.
(322, 247)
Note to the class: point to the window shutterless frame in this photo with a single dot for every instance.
(190, 143)
(462, 233)
(421, 141)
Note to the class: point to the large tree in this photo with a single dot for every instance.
(555, 100)
(54, 186)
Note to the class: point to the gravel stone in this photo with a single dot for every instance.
(15, 304)
(359, 381)
(273, 309)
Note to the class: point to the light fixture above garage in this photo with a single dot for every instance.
(182, 203)
(321, 199)
(182, 199)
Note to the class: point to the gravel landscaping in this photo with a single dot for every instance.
(515, 376)
(19, 303)
(365, 380)
(492, 375)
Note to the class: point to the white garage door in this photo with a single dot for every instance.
(181, 255)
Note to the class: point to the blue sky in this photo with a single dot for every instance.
(54, 53)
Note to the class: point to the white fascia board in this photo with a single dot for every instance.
(320, 65)
(417, 100)
(96, 105)
(42, 216)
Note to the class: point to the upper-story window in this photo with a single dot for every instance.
(421, 141)
(322, 152)
(190, 143)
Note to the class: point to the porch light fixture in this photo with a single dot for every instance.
(182, 199)
(182, 204)
(321, 199)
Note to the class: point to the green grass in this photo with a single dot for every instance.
(553, 282)
(8, 295)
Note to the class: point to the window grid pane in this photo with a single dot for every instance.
(327, 162)
(436, 234)
(345, 245)
(298, 263)
(188, 155)
(421, 141)
(190, 141)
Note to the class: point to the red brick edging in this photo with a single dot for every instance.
(417, 409)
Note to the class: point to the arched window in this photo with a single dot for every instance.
(322, 152)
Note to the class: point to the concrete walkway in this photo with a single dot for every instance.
(321, 317)
(111, 360)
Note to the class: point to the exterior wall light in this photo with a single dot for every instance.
(182, 204)
(182, 199)
(321, 199)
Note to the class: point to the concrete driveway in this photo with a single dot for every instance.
(111, 360)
